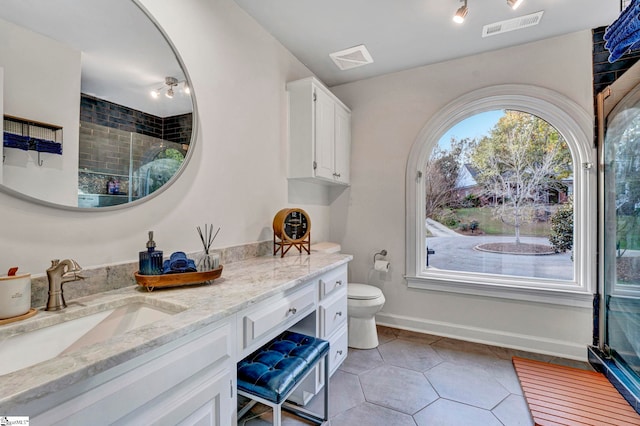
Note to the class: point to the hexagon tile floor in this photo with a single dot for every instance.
(417, 379)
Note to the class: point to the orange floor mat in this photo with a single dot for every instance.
(559, 395)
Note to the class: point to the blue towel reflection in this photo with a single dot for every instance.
(12, 140)
(42, 145)
(178, 262)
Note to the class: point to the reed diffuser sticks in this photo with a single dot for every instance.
(208, 237)
(207, 261)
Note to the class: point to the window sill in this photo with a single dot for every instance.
(576, 298)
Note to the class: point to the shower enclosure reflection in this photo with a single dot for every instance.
(143, 164)
(125, 154)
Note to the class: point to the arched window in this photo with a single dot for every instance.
(501, 198)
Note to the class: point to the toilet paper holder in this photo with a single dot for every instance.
(382, 253)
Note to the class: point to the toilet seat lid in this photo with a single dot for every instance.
(363, 291)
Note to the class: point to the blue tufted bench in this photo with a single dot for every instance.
(271, 374)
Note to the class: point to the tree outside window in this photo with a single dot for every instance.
(492, 190)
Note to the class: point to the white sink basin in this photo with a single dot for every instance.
(31, 347)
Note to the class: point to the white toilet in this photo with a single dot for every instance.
(363, 303)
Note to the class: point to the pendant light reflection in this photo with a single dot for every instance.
(171, 85)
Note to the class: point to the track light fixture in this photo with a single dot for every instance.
(463, 10)
(461, 13)
(514, 4)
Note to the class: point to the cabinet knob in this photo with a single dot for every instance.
(292, 311)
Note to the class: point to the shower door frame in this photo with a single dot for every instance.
(600, 355)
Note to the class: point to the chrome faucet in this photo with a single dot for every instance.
(59, 273)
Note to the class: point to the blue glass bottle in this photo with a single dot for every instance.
(151, 259)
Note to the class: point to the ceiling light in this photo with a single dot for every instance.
(458, 18)
(170, 83)
(514, 4)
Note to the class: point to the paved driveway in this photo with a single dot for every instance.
(457, 253)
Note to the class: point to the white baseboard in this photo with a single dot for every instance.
(536, 344)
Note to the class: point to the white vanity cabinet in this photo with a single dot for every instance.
(319, 133)
(190, 381)
(332, 310)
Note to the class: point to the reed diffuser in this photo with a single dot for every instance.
(207, 260)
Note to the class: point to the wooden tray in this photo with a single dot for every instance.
(29, 314)
(152, 282)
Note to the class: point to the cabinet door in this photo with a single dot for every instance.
(205, 401)
(342, 144)
(324, 135)
(192, 374)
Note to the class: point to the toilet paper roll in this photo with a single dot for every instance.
(381, 265)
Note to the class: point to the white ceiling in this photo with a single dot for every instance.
(402, 34)
(124, 55)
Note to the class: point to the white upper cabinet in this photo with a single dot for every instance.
(319, 133)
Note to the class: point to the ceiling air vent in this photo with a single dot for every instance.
(512, 24)
(351, 58)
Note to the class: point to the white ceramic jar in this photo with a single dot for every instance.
(15, 295)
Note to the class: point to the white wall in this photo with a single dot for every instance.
(388, 113)
(236, 178)
(42, 83)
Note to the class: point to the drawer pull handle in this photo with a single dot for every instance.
(339, 313)
(339, 352)
(339, 282)
(292, 311)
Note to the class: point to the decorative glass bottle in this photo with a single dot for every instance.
(207, 261)
(151, 260)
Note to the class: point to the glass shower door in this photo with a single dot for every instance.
(621, 235)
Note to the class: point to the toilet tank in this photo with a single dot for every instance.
(326, 247)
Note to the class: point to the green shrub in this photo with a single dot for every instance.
(448, 218)
(561, 237)
(471, 200)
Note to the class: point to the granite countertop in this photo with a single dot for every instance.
(241, 284)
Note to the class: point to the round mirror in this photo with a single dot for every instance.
(97, 106)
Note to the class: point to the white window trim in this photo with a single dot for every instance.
(576, 125)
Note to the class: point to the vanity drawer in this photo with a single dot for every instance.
(333, 280)
(276, 313)
(339, 344)
(333, 312)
